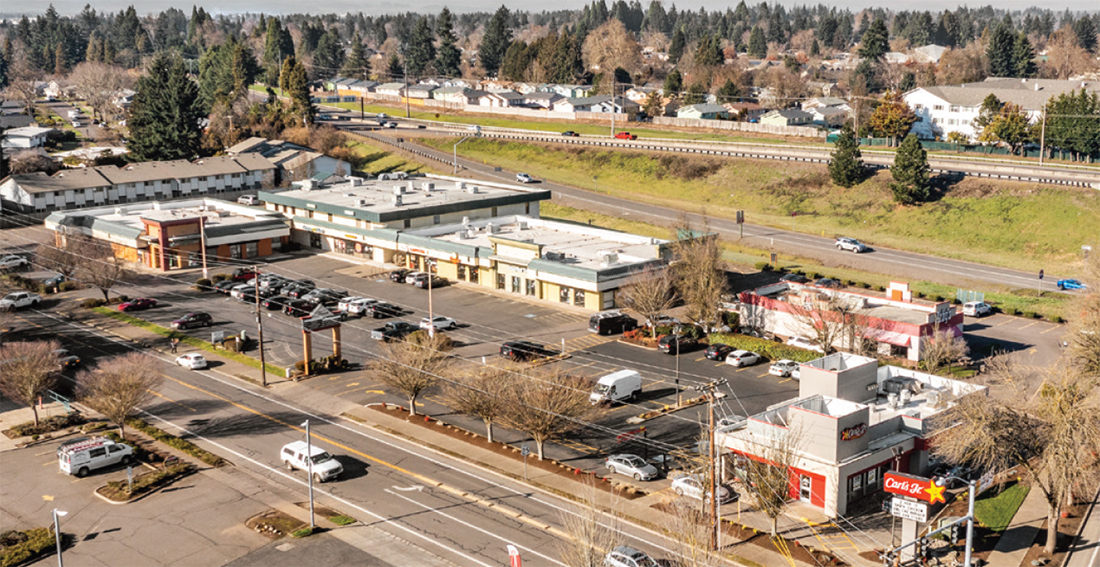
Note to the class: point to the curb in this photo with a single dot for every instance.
(143, 496)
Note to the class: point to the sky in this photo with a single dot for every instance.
(434, 6)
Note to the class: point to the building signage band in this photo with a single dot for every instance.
(909, 510)
(854, 432)
(913, 486)
(420, 251)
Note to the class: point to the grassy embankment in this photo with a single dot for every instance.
(1015, 225)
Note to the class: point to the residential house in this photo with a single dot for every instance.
(293, 161)
(573, 91)
(896, 58)
(704, 111)
(598, 103)
(26, 137)
(124, 98)
(421, 92)
(640, 95)
(745, 111)
(10, 121)
(829, 116)
(541, 99)
(55, 89)
(356, 88)
(390, 89)
(787, 117)
(820, 101)
(491, 85)
(528, 88)
(501, 99)
(456, 94)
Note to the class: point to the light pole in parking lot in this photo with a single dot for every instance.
(57, 533)
(260, 330)
(309, 472)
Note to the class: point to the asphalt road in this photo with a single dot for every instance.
(388, 483)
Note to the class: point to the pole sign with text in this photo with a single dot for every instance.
(909, 510)
(913, 486)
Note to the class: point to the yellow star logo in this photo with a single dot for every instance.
(935, 493)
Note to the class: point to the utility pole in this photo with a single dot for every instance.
(260, 329)
(431, 313)
(709, 389)
(309, 471)
(202, 238)
(405, 73)
(612, 105)
(1043, 138)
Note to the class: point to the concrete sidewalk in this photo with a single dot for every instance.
(811, 531)
(1021, 532)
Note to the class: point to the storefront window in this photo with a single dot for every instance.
(314, 240)
(564, 297)
(461, 272)
(500, 280)
(578, 298)
(252, 249)
(531, 287)
(473, 274)
(235, 251)
(515, 284)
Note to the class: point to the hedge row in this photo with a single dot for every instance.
(770, 349)
(175, 442)
(39, 541)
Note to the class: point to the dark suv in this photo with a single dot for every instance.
(675, 344)
(524, 350)
(380, 310)
(399, 275)
(193, 320)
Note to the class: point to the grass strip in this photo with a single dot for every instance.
(116, 490)
(176, 442)
(342, 520)
(37, 542)
(187, 339)
(995, 511)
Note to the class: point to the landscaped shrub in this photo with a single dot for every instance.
(800, 272)
(91, 302)
(1028, 314)
(34, 542)
(304, 532)
(1011, 311)
(203, 284)
(342, 520)
(863, 285)
(880, 287)
(173, 441)
(937, 298)
(849, 283)
(813, 275)
(1057, 319)
(67, 286)
(220, 277)
(770, 349)
(763, 266)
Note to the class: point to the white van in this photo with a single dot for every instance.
(616, 387)
(85, 456)
(322, 465)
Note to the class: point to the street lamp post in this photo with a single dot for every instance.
(57, 533)
(972, 493)
(456, 152)
(309, 471)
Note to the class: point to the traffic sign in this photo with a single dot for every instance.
(524, 450)
(1040, 274)
(909, 510)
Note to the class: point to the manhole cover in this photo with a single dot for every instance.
(285, 546)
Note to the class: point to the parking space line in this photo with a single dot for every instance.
(1030, 324)
(720, 364)
(700, 358)
(1007, 321)
(1050, 329)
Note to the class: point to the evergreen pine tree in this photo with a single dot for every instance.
(875, 41)
(164, 117)
(1023, 57)
(278, 45)
(1001, 51)
(815, 48)
(449, 58)
(709, 52)
(696, 94)
(758, 46)
(421, 50)
(395, 69)
(498, 36)
(328, 57)
(294, 82)
(1085, 30)
(846, 165)
(357, 64)
(728, 92)
(676, 46)
(674, 83)
(910, 172)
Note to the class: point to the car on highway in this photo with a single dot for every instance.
(19, 300)
(742, 358)
(675, 344)
(717, 352)
(794, 278)
(524, 178)
(194, 361)
(525, 350)
(632, 466)
(192, 320)
(626, 556)
(67, 360)
(785, 369)
(570, 134)
(625, 136)
(389, 125)
(381, 309)
(248, 200)
(850, 245)
(691, 485)
(398, 275)
(382, 116)
(1071, 284)
(138, 304)
(976, 309)
(14, 262)
(804, 343)
(439, 323)
(318, 463)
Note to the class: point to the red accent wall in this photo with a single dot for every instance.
(817, 486)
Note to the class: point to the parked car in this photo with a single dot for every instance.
(675, 344)
(1071, 284)
(626, 556)
(379, 310)
(785, 369)
(524, 178)
(631, 465)
(139, 304)
(19, 300)
(356, 305)
(13, 262)
(794, 278)
(393, 330)
(718, 352)
(976, 308)
(804, 343)
(742, 358)
(193, 320)
(55, 281)
(570, 134)
(81, 458)
(299, 307)
(275, 303)
(691, 485)
(194, 361)
(318, 463)
(525, 350)
(439, 323)
(422, 282)
(410, 277)
(758, 333)
(248, 200)
(398, 275)
(828, 283)
(244, 274)
(625, 136)
(611, 322)
(850, 245)
(225, 286)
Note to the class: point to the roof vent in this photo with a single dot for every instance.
(411, 186)
(460, 185)
(360, 202)
(472, 189)
(396, 199)
(398, 190)
(429, 187)
(523, 225)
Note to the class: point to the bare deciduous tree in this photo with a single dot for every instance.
(1084, 336)
(548, 404)
(99, 267)
(22, 85)
(482, 392)
(609, 46)
(413, 365)
(118, 386)
(942, 348)
(690, 528)
(99, 83)
(767, 474)
(61, 257)
(827, 319)
(700, 272)
(28, 370)
(650, 292)
(1053, 433)
(30, 161)
(593, 526)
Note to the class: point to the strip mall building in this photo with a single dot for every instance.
(851, 422)
(479, 232)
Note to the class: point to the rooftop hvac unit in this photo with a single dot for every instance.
(429, 187)
(523, 225)
(472, 189)
(412, 187)
(493, 228)
(349, 194)
(933, 399)
(398, 190)
(892, 399)
(465, 234)
(460, 185)
(465, 221)
(355, 181)
(608, 259)
(556, 256)
(904, 397)
(396, 199)
(360, 202)
(896, 385)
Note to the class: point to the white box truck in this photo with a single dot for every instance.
(617, 387)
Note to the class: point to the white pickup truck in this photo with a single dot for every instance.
(19, 300)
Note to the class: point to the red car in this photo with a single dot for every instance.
(625, 136)
(138, 304)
